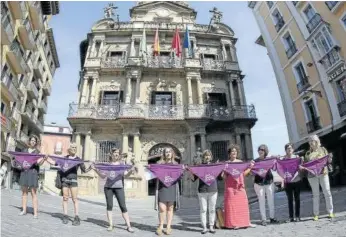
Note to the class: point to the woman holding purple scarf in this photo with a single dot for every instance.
(29, 178)
(166, 198)
(316, 152)
(265, 187)
(292, 189)
(115, 188)
(207, 195)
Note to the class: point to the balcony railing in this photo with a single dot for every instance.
(291, 51)
(17, 58)
(33, 90)
(7, 25)
(314, 22)
(161, 112)
(11, 85)
(331, 58)
(313, 125)
(279, 24)
(212, 64)
(113, 62)
(164, 62)
(47, 88)
(342, 108)
(303, 85)
(43, 106)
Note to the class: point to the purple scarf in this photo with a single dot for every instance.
(167, 174)
(236, 169)
(315, 167)
(207, 173)
(65, 164)
(287, 168)
(25, 160)
(112, 171)
(262, 167)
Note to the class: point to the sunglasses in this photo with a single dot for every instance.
(261, 149)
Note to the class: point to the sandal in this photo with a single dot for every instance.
(158, 231)
(110, 228)
(168, 231)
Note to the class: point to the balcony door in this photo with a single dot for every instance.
(216, 99)
(312, 115)
(164, 98)
(111, 98)
(309, 13)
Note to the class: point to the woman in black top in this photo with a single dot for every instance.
(207, 195)
(29, 178)
(69, 183)
(265, 187)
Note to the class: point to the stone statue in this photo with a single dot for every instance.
(109, 11)
(197, 159)
(217, 15)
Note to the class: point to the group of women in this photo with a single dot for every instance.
(167, 199)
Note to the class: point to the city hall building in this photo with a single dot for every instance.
(159, 80)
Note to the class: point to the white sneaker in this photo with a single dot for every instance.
(22, 213)
(35, 217)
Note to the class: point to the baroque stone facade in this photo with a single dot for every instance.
(141, 101)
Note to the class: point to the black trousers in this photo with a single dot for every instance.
(120, 196)
(293, 192)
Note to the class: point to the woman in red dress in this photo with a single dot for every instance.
(236, 203)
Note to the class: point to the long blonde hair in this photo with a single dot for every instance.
(205, 153)
(163, 159)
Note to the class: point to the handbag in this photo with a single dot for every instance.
(58, 183)
(329, 165)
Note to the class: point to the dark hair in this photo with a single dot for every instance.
(111, 153)
(236, 147)
(288, 145)
(265, 148)
(36, 139)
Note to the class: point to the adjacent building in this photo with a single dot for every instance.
(141, 91)
(306, 42)
(28, 63)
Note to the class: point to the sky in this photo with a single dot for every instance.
(75, 20)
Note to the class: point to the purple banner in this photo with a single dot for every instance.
(287, 168)
(112, 171)
(25, 160)
(65, 164)
(262, 167)
(207, 173)
(167, 174)
(315, 167)
(236, 169)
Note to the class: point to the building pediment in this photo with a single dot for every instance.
(163, 12)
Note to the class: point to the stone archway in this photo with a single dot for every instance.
(154, 155)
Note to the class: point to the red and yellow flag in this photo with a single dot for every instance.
(157, 43)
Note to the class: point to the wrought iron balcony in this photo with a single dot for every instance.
(331, 58)
(16, 57)
(303, 85)
(113, 62)
(212, 64)
(342, 108)
(291, 51)
(314, 22)
(7, 33)
(161, 112)
(164, 62)
(279, 24)
(313, 125)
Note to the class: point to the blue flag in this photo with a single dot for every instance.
(187, 42)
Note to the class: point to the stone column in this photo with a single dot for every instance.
(238, 141)
(240, 92)
(189, 90)
(233, 54)
(224, 53)
(199, 91)
(128, 91)
(241, 84)
(93, 91)
(132, 50)
(137, 146)
(203, 142)
(125, 144)
(78, 143)
(249, 150)
(138, 80)
(231, 93)
(87, 146)
(84, 91)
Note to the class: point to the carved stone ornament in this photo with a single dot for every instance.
(110, 87)
(214, 90)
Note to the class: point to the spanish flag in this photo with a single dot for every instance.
(157, 43)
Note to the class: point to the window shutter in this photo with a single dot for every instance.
(121, 97)
(174, 98)
(223, 100)
(153, 94)
(100, 98)
(205, 98)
